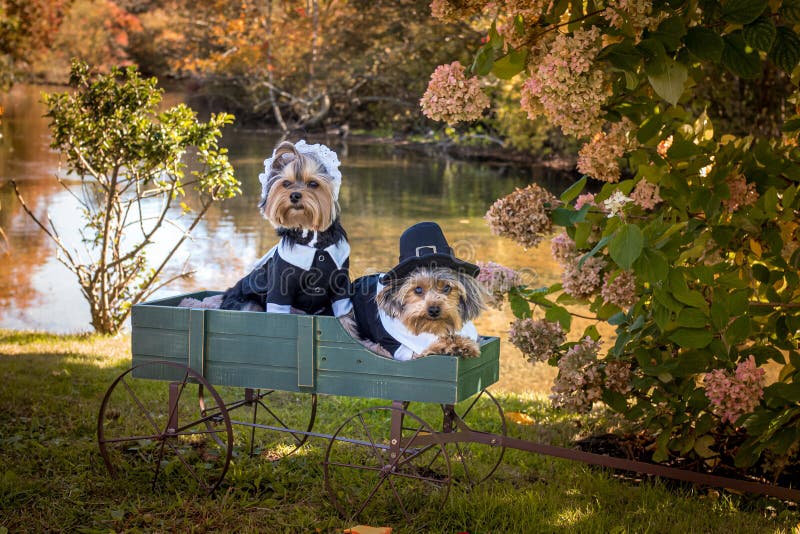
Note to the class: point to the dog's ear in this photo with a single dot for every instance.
(388, 299)
(471, 302)
(285, 153)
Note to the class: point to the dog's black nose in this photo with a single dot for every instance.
(434, 311)
(295, 197)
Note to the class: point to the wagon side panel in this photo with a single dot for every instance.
(159, 333)
(253, 349)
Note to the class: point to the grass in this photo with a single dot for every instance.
(53, 477)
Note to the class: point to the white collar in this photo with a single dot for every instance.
(303, 255)
(418, 343)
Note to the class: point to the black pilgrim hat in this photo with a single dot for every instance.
(424, 245)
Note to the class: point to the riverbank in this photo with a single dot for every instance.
(54, 478)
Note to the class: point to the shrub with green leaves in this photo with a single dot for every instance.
(131, 160)
(690, 247)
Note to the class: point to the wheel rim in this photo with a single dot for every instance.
(142, 435)
(474, 463)
(268, 408)
(364, 480)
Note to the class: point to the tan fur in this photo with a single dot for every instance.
(457, 296)
(300, 173)
(455, 345)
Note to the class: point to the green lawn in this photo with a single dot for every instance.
(53, 477)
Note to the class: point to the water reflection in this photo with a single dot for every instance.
(385, 189)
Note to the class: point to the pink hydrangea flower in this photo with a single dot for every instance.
(580, 379)
(599, 158)
(538, 340)
(618, 376)
(497, 280)
(733, 395)
(584, 199)
(645, 195)
(563, 249)
(452, 97)
(619, 289)
(523, 215)
(741, 193)
(636, 13)
(566, 86)
(582, 281)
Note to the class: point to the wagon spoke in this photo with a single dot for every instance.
(141, 406)
(188, 467)
(461, 459)
(372, 443)
(158, 465)
(472, 405)
(131, 438)
(369, 497)
(280, 422)
(399, 500)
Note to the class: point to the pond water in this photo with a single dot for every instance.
(385, 189)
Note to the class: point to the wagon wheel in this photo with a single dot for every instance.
(373, 472)
(150, 429)
(270, 415)
(475, 462)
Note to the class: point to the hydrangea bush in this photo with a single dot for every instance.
(688, 243)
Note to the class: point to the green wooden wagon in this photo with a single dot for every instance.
(380, 454)
(265, 353)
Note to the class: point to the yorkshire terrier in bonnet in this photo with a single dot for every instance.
(424, 305)
(307, 271)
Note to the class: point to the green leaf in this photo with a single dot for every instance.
(785, 51)
(789, 392)
(791, 125)
(743, 11)
(692, 318)
(573, 191)
(738, 330)
(669, 85)
(760, 34)
(790, 11)
(510, 64)
(704, 43)
(702, 446)
(681, 292)
(568, 217)
(652, 265)
(559, 315)
(739, 59)
(626, 245)
(495, 39)
(519, 306)
(615, 400)
(669, 32)
(655, 57)
(484, 59)
(691, 338)
(623, 56)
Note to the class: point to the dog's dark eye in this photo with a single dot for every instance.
(418, 290)
(446, 289)
(313, 184)
(287, 183)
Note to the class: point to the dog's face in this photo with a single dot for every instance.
(301, 194)
(433, 300)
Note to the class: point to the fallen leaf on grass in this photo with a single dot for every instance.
(519, 418)
(363, 529)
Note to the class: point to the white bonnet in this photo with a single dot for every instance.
(321, 153)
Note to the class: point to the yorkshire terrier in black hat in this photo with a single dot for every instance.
(307, 271)
(424, 305)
